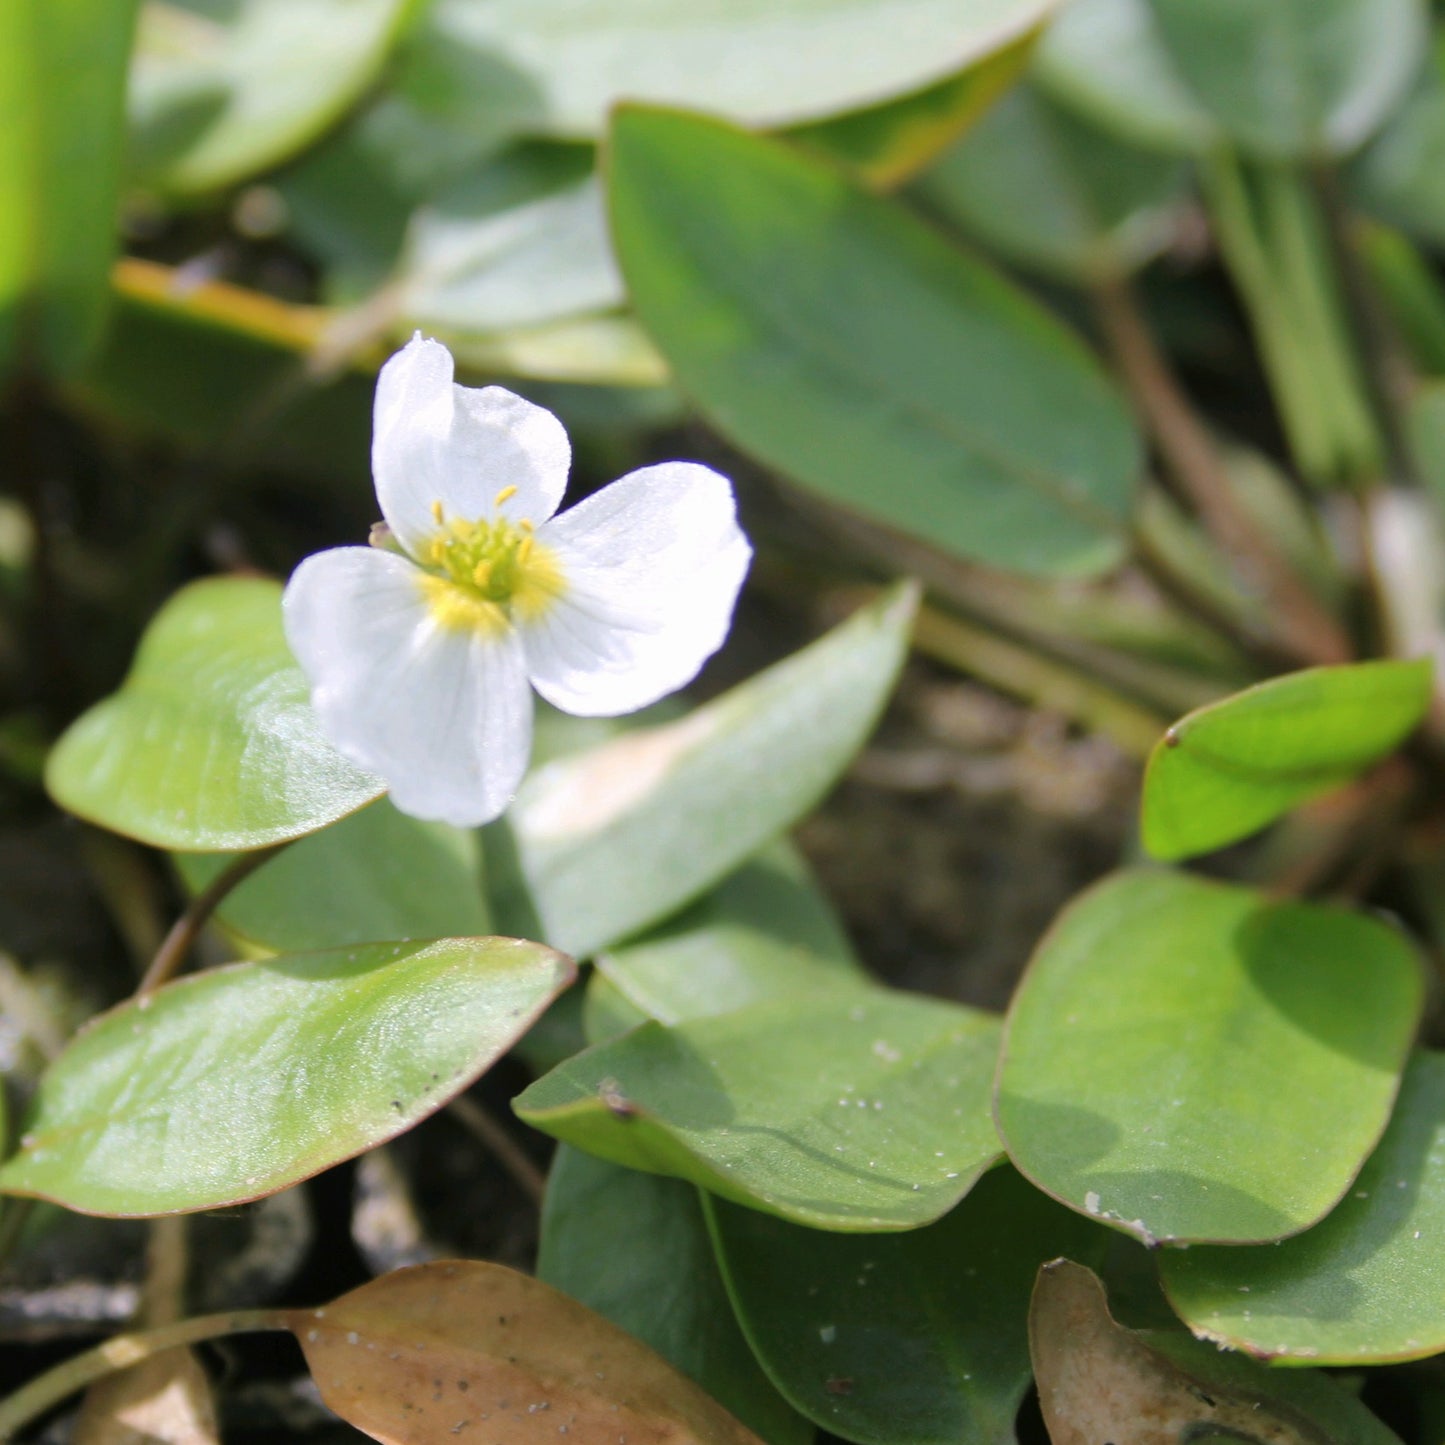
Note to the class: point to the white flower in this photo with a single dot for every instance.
(422, 661)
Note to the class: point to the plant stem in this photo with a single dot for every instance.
(177, 943)
(1306, 627)
(119, 1353)
(480, 1123)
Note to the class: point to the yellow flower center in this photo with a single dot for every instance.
(484, 573)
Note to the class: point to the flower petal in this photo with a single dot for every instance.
(433, 441)
(652, 566)
(443, 713)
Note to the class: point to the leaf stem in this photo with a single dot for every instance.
(177, 943)
(119, 1353)
(479, 1122)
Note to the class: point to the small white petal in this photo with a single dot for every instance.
(444, 714)
(434, 441)
(652, 567)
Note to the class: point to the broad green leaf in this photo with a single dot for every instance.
(242, 1080)
(520, 243)
(457, 1347)
(1362, 1286)
(1226, 770)
(1187, 1060)
(62, 97)
(887, 144)
(634, 1247)
(839, 339)
(764, 932)
(1100, 1381)
(1046, 190)
(376, 874)
(865, 1112)
(1295, 79)
(1400, 175)
(221, 91)
(918, 1338)
(210, 743)
(1107, 60)
(771, 63)
(613, 839)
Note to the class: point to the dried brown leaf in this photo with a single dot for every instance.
(457, 1352)
(1101, 1384)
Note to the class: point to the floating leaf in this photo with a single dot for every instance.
(220, 93)
(1295, 79)
(618, 837)
(1098, 1381)
(837, 338)
(62, 98)
(1158, 1016)
(421, 1354)
(864, 1112)
(573, 61)
(375, 874)
(1046, 190)
(917, 1338)
(1229, 768)
(634, 1247)
(242, 1080)
(1363, 1285)
(764, 932)
(211, 742)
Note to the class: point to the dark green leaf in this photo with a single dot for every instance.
(840, 340)
(634, 1247)
(918, 1338)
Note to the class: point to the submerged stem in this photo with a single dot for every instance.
(121, 1352)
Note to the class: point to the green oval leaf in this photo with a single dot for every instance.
(210, 743)
(1295, 79)
(840, 340)
(1227, 769)
(243, 1080)
(634, 1247)
(570, 62)
(918, 1338)
(221, 92)
(1362, 1286)
(62, 98)
(765, 932)
(1188, 1060)
(376, 874)
(868, 1112)
(616, 838)
(1045, 190)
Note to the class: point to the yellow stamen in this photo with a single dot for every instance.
(438, 516)
(505, 495)
(482, 572)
